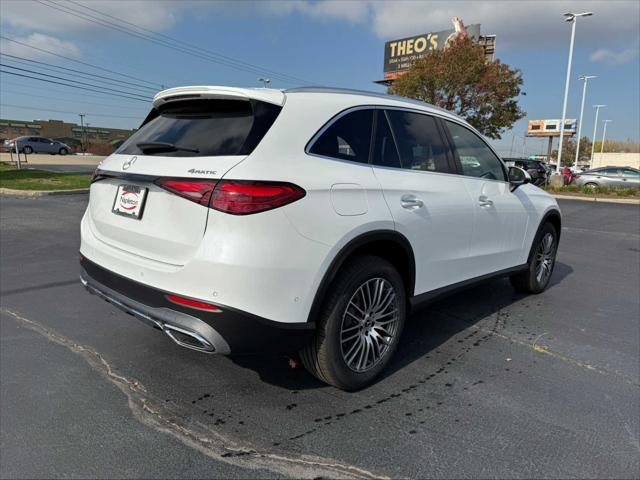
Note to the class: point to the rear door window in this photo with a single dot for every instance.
(385, 153)
(207, 127)
(419, 142)
(347, 138)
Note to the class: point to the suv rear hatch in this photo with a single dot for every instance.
(150, 198)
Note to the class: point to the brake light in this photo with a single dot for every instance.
(242, 197)
(198, 191)
(187, 302)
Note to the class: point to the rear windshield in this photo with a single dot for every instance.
(199, 128)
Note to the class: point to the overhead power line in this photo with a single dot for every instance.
(80, 62)
(71, 85)
(192, 46)
(90, 76)
(58, 97)
(190, 50)
(140, 117)
(139, 96)
(105, 96)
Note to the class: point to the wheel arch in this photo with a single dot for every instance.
(388, 244)
(553, 217)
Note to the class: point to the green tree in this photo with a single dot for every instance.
(569, 151)
(461, 80)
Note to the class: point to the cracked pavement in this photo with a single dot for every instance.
(487, 383)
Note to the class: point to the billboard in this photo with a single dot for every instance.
(551, 128)
(400, 54)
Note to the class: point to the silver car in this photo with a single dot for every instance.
(617, 177)
(29, 145)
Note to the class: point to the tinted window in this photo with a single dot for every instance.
(212, 127)
(348, 138)
(609, 171)
(385, 152)
(419, 141)
(627, 172)
(475, 156)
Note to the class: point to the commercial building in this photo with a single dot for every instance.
(97, 138)
(616, 160)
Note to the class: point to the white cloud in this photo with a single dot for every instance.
(614, 58)
(531, 24)
(35, 16)
(519, 24)
(39, 41)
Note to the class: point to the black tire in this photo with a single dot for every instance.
(591, 185)
(324, 357)
(63, 151)
(530, 280)
(27, 150)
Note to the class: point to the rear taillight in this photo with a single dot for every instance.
(188, 302)
(241, 197)
(198, 191)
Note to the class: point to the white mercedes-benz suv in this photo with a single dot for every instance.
(308, 221)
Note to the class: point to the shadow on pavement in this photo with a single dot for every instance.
(427, 329)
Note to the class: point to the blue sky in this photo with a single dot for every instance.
(329, 43)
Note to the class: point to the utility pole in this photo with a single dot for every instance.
(84, 135)
(571, 18)
(584, 78)
(595, 129)
(604, 134)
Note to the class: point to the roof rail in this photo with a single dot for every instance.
(367, 93)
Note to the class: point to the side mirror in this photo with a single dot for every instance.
(517, 177)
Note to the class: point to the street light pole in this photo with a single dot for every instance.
(571, 18)
(84, 136)
(265, 82)
(584, 78)
(595, 130)
(604, 134)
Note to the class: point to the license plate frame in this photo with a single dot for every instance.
(130, 201)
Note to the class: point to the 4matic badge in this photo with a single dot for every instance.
(195, 171)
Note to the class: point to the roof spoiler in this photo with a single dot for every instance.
(276, 97)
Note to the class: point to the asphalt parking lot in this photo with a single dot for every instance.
(487, 383)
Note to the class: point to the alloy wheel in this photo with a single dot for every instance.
(545, 257)
(369, 324)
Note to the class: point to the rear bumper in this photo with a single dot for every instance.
(227, 332)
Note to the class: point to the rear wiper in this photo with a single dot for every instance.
(163, 147)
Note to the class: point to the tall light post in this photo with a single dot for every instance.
(84, 135)
(584, 78)
(571, 18)
(595, 130)
(604, 134)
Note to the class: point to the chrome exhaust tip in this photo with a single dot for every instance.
(188, 339)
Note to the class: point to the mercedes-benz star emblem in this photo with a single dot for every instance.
(128, 163)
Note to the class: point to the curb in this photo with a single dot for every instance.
(627, 201)
(41, 193)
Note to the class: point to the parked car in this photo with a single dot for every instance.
(29, 145)
(535, 168)
(312, 220)
(625, 177)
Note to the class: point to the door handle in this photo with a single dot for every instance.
(484, 201)
(410, 202)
